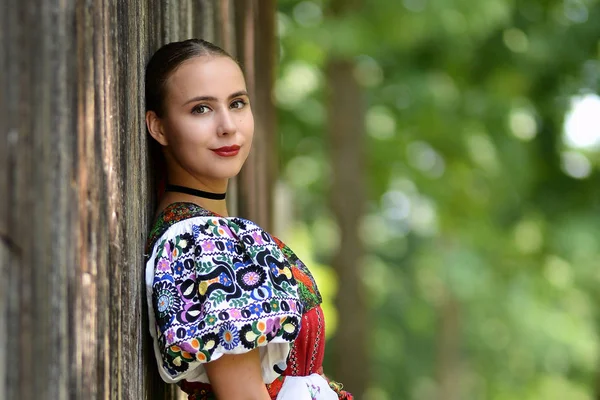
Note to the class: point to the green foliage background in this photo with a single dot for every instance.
(475, 194)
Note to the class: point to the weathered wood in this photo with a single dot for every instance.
(265, 59)
(256, 43)
(76, 199)
(9, 249)
(248, 180)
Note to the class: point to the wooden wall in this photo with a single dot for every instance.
(75, 194)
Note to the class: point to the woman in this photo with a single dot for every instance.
(234, 314)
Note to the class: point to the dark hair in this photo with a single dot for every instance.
(166, 60)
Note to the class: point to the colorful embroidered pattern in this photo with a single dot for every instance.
(251, 323)
(220, 284)
(176, 212)
(307, 287)
(171, 215)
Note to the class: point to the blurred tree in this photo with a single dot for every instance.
(346, 133)
(483, 217)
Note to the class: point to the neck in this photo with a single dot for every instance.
(196, 192)
(216, 206)
(179, 193)
(177, 175)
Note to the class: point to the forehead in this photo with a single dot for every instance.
(205, 76)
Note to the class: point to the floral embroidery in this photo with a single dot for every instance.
(229, 336)
(307, 287)
(208, 293)
(313, 390)
(257, 238)
(235, 313)
(166, 300)
(208, 245)
(310, 295)
(163, 264)
(170, 335)
(273, 326)
(192, 330)
(224, 279)
(274, 305)
(256, 309)
(259, 332)
(219, 283)
(178, 268)
(251, 277)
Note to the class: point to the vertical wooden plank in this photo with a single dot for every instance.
(226, 38)
(113, 339)
(34, 298)
(153, 18)
(185, 19)
(244, 181)
(23, 206)
(264, 108)
(204, 19)
(9, 249)
(173, 20)
(164, 13)
(4, 290)
(85, 285)
(59, 150)
(109, 201)
(75, 167)
(255, 36)
(143, 32)
(37, 190)
(5, 240)
(129, 37)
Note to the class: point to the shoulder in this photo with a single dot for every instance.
(307, 286)
(189, 225)
(173, 215)
(218, 285)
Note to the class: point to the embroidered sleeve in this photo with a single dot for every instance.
(221, 286)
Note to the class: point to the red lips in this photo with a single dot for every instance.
(227, 151)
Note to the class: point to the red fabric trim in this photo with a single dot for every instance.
(274, 387)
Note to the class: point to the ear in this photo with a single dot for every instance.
(155, 127)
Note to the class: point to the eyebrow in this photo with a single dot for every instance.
(212, 98)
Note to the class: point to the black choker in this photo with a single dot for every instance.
(195, 192)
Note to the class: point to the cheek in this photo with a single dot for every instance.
(248, 126)
(187, 132)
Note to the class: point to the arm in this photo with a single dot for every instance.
(237, 376)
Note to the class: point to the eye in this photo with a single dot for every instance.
(239, 103)
(200, 109)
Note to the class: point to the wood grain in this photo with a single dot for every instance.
(76, 199)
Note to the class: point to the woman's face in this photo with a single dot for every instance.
(208, 124)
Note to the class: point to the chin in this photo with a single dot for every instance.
(230, 173)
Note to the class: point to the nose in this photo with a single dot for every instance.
(226, 124)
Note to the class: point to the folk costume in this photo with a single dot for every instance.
(222, 285)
